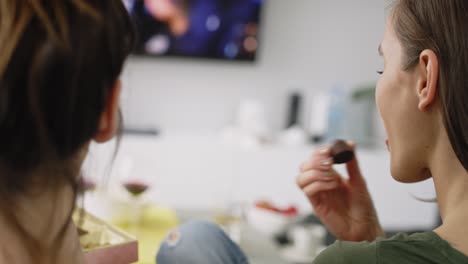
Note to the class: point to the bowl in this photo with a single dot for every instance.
(266, 221)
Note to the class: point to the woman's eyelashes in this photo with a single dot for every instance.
(380, 72)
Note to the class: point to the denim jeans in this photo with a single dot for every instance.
(199, 242)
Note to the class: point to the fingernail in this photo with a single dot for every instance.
(325, 150)
(326, 163)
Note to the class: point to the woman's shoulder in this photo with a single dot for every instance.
(416, 248)
(402, 248)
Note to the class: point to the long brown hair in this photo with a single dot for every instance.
(441, 26)
(59, 61)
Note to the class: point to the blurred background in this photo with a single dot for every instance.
(223, 100)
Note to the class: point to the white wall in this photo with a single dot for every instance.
(306, 44)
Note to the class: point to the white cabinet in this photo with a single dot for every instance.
(196, 171)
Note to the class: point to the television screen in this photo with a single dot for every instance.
(217, 29)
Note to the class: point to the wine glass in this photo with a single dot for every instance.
(135, 187)
(86, 184)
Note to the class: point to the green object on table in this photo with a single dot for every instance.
(154, 224)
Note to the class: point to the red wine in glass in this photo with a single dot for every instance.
(135, 188)
(85, 184)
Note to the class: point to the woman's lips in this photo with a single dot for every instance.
(387, 142)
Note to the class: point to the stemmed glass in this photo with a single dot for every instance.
(86, 184)
(135, 187)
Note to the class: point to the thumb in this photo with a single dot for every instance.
(352, 166)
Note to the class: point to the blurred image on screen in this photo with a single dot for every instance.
(219, 29)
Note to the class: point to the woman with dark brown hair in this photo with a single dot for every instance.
(423, 100)
(59, 90)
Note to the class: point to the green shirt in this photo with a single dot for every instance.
(419, 248)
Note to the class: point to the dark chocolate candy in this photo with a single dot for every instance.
(341, 152)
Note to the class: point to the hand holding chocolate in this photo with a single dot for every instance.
(341, 152)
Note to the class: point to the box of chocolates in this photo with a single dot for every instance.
(103, 243)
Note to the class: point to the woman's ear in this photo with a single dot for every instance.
(110, 119)
(428, 83)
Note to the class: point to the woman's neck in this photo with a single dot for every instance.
(451, 182)
(45, 219)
